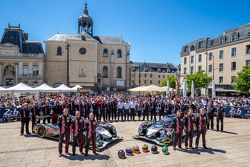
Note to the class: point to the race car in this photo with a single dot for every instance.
(159, 132)
(105, 133)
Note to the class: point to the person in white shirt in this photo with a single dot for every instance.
(126, 110)
(120, 109)
(132, 105)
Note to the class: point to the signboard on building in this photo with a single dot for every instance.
(120, 83)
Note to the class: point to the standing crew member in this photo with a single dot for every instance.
(77, 130)
(120, 110)
(220, 117)
(189, 122)
(24, 112)
(201, 123)
(90, 127)
(210, 114)
(178, 129)
(64, 123)
(126, 110)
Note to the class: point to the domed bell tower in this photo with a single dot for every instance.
(85, 22)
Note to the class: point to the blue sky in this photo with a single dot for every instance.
(156, 29)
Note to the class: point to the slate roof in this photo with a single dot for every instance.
(156, 67)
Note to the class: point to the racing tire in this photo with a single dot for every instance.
(41, 131)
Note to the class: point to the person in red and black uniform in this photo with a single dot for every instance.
(71, 107)
(178, 125)
(201, 124)
(90, 127)
(45, 108)
(35, 112)
(189, 122)
(108, 109)
(77, 130)
(210, 115)
(219, 117)
(24, 112)
(114, 109)
(57, 110)
(64, 123)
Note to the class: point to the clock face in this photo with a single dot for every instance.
(82, 51)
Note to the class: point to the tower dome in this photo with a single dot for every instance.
(85, 22)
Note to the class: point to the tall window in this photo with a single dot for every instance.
(151, 75)
(210, 56)
(118, 72)
(145, 82)
(185, 60)
(233, 52)
(199, 59)
(210, 68)
(35, 69)
(248, 49)
(191, 70)
(105, 53)
(25, 69)
(59, 51)
(192, 59)
(221, 54)
(151, 82)
(220, 79)
(185, 71)
(233, 66)
(119, 53)
(221, 67)
(105, 72)
(145, 75)
(233, 79)
(199, 68)
(248, 63)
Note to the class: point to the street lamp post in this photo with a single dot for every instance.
(67, 48)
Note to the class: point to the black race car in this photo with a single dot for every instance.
(105, 133)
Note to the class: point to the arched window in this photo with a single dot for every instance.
(59, 51)
(105, 72)
(105, 53)
(118, 72)
(192, 48)
(119, 53)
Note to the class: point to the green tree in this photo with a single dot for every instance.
(200, 78)
(172, 81)
(242, 81)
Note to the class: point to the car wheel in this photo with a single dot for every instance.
(41, 131)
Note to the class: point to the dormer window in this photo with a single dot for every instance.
(235, 36)
(158, 70)
(248, 32)
(186, 49)
(192, 48)
(145, 69)
(222, 40)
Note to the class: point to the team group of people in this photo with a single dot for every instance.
(89, 110)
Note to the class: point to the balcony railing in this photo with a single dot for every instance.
(30, 76)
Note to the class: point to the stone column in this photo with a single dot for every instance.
(16, 76)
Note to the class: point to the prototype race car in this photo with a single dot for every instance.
(105, 133)
(159, 132)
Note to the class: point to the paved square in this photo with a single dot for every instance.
(231, 148)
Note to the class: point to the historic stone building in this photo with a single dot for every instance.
(88, 60)
(21, 60)
(143, 73)
(221, 57)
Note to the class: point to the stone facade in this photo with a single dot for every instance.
(221, 57)
(21, 60)
(145, 74)
(95, 62)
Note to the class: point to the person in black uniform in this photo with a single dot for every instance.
(201, 124)
(145, 110)
(45, 108)
(153, 109)
(77, 130)
(114, 109)
(24, 112)
(90, 127)
(219, 116)
(64, 123)
(35, 112)
(178, 125)
(108, 109)
(210, 115)
(57, 110)
(160, 106)
(189, 122)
